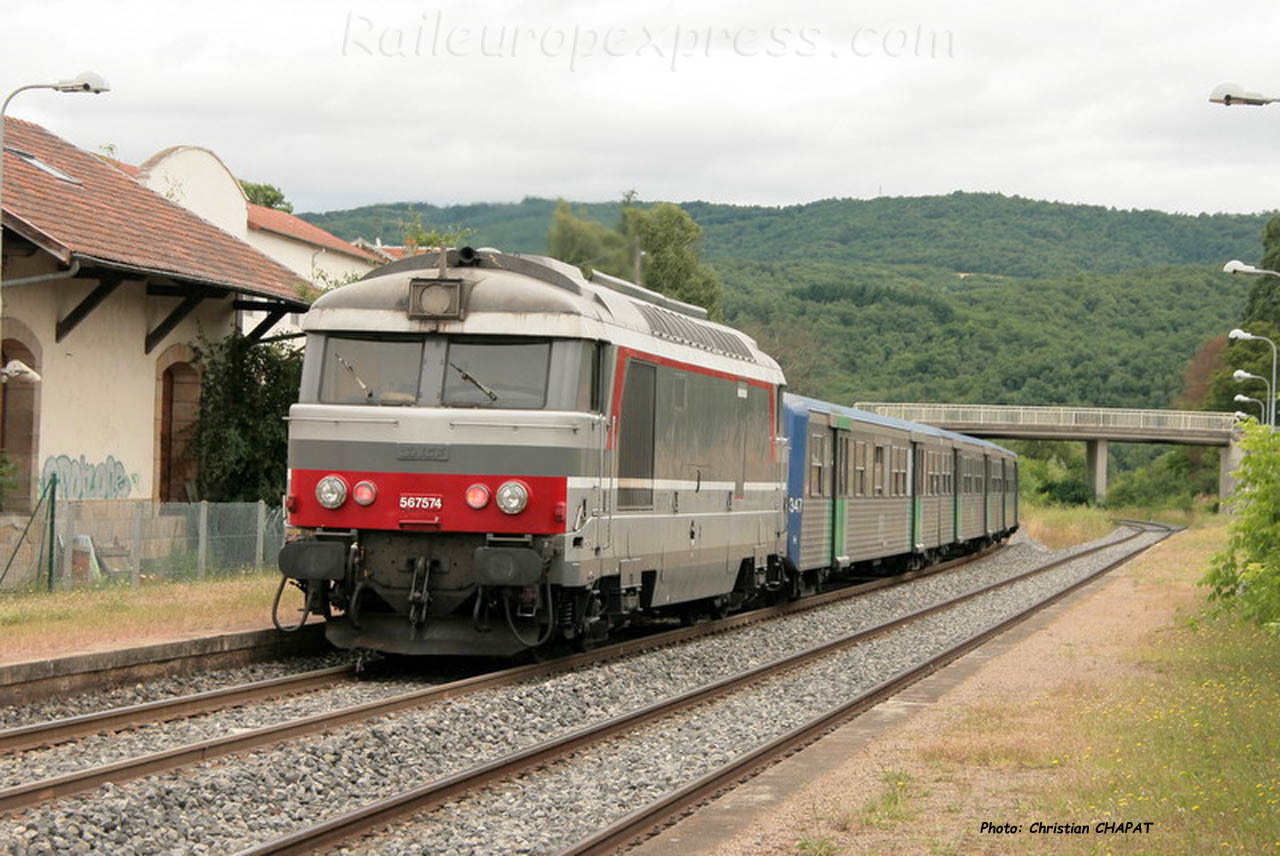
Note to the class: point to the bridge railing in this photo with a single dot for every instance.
(1057, 417)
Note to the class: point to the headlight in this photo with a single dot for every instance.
(513, 497)
(331, 491)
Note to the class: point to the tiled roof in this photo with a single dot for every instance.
(282, 223)
(105, 215)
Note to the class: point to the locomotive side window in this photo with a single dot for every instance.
(506, 373)
(370, 371)
(635, 437)
(588, 393)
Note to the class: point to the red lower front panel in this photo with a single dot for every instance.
(428, 503)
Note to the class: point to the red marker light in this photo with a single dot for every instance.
(477, 496)
(364, 493)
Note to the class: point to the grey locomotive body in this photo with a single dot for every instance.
(490, 450)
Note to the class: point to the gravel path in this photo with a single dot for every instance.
(224, 805)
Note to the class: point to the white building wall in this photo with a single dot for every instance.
(98, 401)
(199, 181)
(321, 266)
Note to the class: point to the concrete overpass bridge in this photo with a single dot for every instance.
(1096, 426)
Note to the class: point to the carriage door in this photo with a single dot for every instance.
(842, 443)
(987, 522)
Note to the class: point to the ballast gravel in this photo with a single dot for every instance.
(229, 804)
(163, 688)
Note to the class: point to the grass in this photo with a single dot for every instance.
(1196, 752)
(891, 805)
(824, 846)
(1059, 526)
(1062, 526)
(44, 624)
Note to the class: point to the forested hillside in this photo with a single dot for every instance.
(860, 333)
(966, 297)
(968, 232)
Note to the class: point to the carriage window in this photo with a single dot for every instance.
(817, 468)
(506, 373)
(860, 469)
(370, 371)
(877, 471)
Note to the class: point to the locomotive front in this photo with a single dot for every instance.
(445, 456)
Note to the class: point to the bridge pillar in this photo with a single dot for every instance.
(1229, 457)
(1096, 468)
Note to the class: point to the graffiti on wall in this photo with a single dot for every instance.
(84, 480)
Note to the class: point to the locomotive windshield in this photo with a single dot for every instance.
(496, 373)
(501, 372)
(371, 371)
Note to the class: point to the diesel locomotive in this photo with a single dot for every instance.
(491, 451)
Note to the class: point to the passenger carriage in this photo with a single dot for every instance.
(866, 490)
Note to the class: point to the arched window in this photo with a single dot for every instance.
(178, 406)
(20, 418)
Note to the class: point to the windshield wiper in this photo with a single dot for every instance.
(493, 396)
(368, 393)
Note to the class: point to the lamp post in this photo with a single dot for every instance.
(85, 82)
(1237, 266)
(1241, 416)
(1227, 94)
(1244, 399)
(1241, 335)
(1240, 375)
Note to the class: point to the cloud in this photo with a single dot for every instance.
(344, 105)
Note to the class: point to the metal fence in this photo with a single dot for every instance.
(121, 542)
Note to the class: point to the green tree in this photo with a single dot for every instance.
(241, 439)
(267, 195)
(418, 237)
(587, 243)
(657, 247)
(1246, 575)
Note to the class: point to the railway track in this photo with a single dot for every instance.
(60, 731)
(377, 815)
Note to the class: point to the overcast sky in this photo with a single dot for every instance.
(350, 104)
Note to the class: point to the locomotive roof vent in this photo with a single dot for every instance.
(676, 327)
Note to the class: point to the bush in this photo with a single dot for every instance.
(1246, 575)
(241, 439)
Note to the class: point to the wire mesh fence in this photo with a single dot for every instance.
(121, 542)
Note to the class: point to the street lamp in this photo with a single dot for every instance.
(1244, 399)
(1237, 266)
(1241, 416)
(1240, 375)
(1232, 93)
(1241, 335)
(87, 81)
